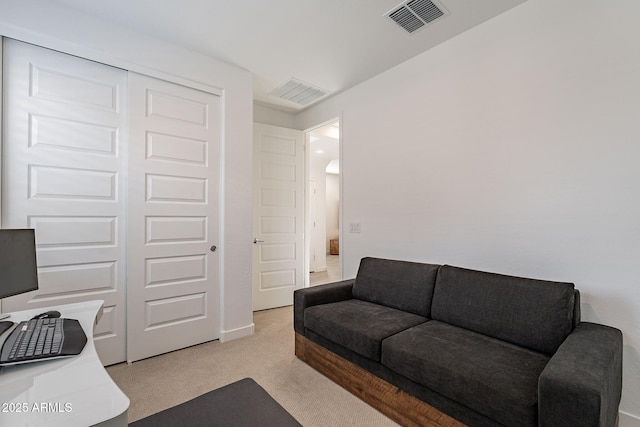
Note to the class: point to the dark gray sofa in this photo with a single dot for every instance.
(484, 348)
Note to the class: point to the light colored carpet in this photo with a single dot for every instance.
(267, 356)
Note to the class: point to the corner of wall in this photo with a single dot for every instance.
(234, 334)
(628, 420)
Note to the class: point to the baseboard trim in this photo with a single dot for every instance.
(383, 396)
(628, 420)
(234, 334)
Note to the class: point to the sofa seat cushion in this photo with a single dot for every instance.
(358, 325)
(492, 377)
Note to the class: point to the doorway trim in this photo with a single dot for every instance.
(307, 223)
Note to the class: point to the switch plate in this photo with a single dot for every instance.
(354, 227)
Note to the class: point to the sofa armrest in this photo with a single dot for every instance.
(582, 383)
(322, 294)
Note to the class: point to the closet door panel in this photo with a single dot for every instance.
(173, 276)
(64, 175)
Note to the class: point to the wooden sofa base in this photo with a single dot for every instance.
(383, 396)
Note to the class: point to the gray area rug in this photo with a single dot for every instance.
(242, 403)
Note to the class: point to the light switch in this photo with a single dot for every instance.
(354, 227)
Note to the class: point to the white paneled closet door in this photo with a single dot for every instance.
(173, 265)
(119, 175)
(64, 174)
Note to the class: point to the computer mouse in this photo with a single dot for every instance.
(47, 315)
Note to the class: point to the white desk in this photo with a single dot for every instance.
(75, 391)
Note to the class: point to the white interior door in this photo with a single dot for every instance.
(313, 233)
(278, 257)
(174, 158)
(64, 175)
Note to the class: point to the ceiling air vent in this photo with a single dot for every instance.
(415, 14)
(299, 92)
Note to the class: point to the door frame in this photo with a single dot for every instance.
(307, 223)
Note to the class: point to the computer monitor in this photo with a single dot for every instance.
(18, 267)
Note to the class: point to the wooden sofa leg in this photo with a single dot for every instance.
(383, 396)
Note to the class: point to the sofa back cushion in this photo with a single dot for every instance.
(404, 285)
(536, 314)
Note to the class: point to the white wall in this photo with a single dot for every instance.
(512, 148)
(272, 116)
(52, 25)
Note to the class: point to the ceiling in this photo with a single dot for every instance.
(329, 44)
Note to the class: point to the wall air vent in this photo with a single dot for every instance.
(299, 92)
(415, 14)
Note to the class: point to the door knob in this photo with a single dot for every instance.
(213, 248)
(258, 241)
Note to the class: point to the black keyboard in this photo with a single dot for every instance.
(37, 339)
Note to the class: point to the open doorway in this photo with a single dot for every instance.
(323, 221)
